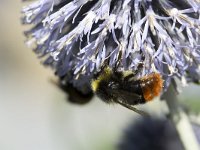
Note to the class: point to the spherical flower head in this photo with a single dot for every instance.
(77, 37)
(150, 134)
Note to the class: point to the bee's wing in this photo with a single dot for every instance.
(128, 97)
(124, 98)
(132, 108)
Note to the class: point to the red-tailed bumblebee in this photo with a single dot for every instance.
(123, 87)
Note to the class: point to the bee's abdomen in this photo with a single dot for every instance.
(151, 86)
(135, 87)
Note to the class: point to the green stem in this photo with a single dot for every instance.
(181, 121)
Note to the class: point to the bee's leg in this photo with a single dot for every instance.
(127, 78)
(133, 108)
(118, 61)
(102, 69)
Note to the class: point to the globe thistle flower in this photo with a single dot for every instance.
(76, 37)
(150, 134)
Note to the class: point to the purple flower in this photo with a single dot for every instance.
(76, 37)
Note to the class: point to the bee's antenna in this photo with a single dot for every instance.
(133, 109)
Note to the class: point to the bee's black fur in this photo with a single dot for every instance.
(116, 86)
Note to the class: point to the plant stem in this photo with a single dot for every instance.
(181, 121)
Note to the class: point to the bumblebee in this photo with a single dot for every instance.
(124, 88)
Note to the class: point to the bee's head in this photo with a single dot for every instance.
(103, 91)
(101, 77)
(100, 83)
